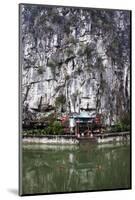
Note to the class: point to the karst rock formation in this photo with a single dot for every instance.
(75, 59)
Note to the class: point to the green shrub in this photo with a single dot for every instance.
(125, 118)
(123, 123)
(116, 128)
(60, 100)
(54, 128)
(49, 130)
(43, 132)
(57, 128)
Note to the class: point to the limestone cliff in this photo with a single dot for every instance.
(75, 59)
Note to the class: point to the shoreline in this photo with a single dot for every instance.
(45, 140)
(72, 139)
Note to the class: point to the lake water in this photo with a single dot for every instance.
(67, 168)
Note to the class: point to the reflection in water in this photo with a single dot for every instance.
(51, 169)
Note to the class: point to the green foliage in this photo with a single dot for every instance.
(125, 121)
(116, 128)
(60, 100)
(49, 130)
(51, 118)
(54, 128)
(123, 124)
(57, 128)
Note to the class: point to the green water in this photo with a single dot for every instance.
(67, 168)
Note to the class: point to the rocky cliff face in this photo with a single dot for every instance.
(75, 59)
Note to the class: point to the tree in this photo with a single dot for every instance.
(60, 101)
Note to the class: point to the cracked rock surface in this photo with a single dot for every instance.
(75, 59)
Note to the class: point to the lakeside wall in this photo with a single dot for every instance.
(54, 140)
(72, 139)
